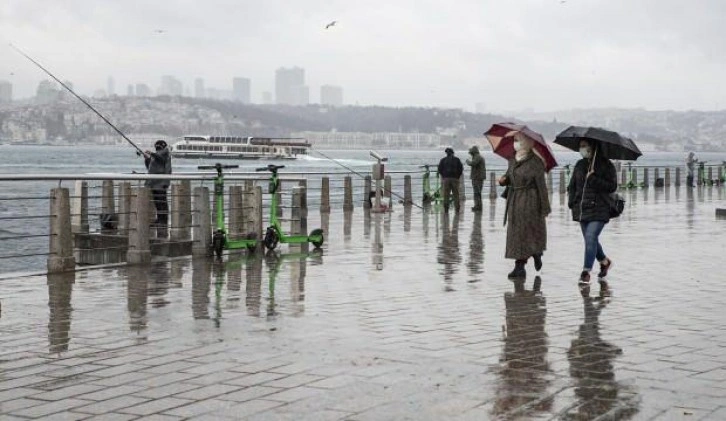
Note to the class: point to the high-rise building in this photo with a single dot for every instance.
(143, 89)
(171, 86)
(110, 86)
(331, 95)
(199, 91)
(130, 90)
(290, 86)
(241, 90)
(6, 92)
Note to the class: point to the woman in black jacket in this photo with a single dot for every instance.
(593, 179)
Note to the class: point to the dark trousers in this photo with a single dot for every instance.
(162, 206)
(451, 190)
(477, 186)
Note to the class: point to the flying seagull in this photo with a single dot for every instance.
(159, 31)
(331, 24)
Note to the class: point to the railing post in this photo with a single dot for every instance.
(623, 177)
(108, 204)
(678, 177)
(79, 208)
(279, 201)
(635, 176)
(60, 246)
(563, 183)
(407, 192)
(247, 204)
(388, 190)
(667, 177)
(646, 177)
(492, 186)
(139, 251)
(297, 202)
(236, 214)
(174, 212)
(325, 195)
(710, 173)
(257, 213)
(185, 210)
(348, 195)
(656, 177)
(124, 207)
(201, 219)
(367, 187)
(549, 182)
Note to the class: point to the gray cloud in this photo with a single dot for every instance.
(515, 54)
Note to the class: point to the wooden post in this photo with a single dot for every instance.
(139, 250)
(325, 195)
(79, 208)
(348, 195)
(201, 219)
(60, 245)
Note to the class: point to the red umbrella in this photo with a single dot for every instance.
(501, 137)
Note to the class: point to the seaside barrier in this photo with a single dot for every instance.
(108, 218)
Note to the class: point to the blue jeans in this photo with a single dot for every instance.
(590, 233)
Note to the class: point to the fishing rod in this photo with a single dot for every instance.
(362, 176)
(138, 150)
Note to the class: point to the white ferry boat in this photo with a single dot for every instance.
(231, 147)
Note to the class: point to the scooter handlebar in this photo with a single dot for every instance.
(270, 167)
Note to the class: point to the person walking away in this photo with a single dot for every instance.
(527, 208)
(478, 175)
(691, 162)
(159, 162)
(593, 179)
(450, 170)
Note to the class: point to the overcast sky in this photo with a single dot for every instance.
(509, 54)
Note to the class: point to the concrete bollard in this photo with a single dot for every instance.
(646, 177)
(298, 211)
(348, 195)
(388, 190)
(623, 177)
(174, 214)
(462, 188)
(407, 191)
(667, 180)
(79, 208)
(60, 245)
(710, 173)
(656, 177)
(201, 219)
(678, 177)
(185, 210)
(550, 183)
(108, 204)
(563, 183)
(248, 193)
(492, 186)
(236, 212)
(256, 214)
(635, 176)
(304, 199)
(367, 188)
(124, 208)
(325, 195)
(278, 194)
(139, 251)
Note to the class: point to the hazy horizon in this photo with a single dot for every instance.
(538, 55)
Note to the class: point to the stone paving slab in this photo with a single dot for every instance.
(403, 316)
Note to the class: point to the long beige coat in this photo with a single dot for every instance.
(528, 205)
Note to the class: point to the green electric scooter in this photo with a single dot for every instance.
(220, 241)
(274, 233)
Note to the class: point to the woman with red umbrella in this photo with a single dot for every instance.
(527, 201)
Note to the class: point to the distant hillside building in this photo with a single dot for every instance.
(199, 91)
(130, 90)
(171, 86)
(290, 86)
(143, 89)
(110, 86)
(241, 90)
(383, 140)
(46, 92)
(6, 92)
(331, 95)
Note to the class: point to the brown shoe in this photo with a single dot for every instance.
(604, 268)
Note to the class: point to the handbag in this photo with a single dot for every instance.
(617, 204)
(505, 193)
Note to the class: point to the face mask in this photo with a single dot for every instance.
(585, 152)
(517, 146)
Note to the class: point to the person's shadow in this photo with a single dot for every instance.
(591, 368)
(523, 375)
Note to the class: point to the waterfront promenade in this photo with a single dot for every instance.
(403, 316)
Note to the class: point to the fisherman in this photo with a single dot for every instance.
(159, 162)
(450, 170)
(478, 175)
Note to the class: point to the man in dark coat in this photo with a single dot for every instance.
(450, 170)
(478, 175)
(159, 162)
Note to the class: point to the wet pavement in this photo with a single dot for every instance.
(402, 316)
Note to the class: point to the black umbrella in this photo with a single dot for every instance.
(612, 145)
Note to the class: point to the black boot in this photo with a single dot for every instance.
(518, 272)
(537, 261)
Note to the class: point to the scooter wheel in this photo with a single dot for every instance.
(218, 243)
(271, 239)
(317, 233)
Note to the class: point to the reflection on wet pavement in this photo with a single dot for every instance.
(399, 317)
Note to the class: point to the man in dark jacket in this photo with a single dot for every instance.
(159, 162)
(450, 170)
(478, 175)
